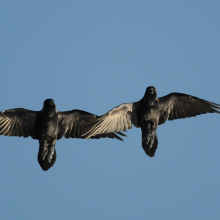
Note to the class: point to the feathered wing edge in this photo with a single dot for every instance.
(178, 105)
(17, 122)
(73, 124)
(118, 119)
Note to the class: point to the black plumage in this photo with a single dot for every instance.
(48, 126)
(150, 112)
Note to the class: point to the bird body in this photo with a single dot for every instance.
(46, 130)
(148, 119)
(150, 112)
(48, 125)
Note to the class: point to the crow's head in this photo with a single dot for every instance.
(49, 107)
(151, 91)
(150, 95)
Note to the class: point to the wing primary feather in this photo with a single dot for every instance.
(121, 121)
(122, 134)
(106, 124)
(204, 107)
(113, 125)
(125, 124)
(6, 129)
(6, 120)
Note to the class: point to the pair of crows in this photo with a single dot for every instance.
(49, 125)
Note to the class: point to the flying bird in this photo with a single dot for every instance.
(48, 126)
(150, 112)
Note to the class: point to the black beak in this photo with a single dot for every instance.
(151, 91)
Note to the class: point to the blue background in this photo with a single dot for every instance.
(93, 56)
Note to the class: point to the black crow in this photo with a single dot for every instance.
(150, 112)
(48, 126)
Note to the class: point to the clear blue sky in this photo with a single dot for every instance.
(93, 56)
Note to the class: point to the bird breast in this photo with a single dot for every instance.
(49, 127)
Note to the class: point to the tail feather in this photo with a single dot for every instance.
(149, 142)
(47, 155)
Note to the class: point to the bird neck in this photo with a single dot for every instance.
(149, 100)
(49, 112)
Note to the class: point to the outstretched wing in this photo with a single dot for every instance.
(118, 119)
(17, 122)
(73, 124)
(178, 105)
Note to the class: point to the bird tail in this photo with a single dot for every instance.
(149, 141)
(47, 154)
